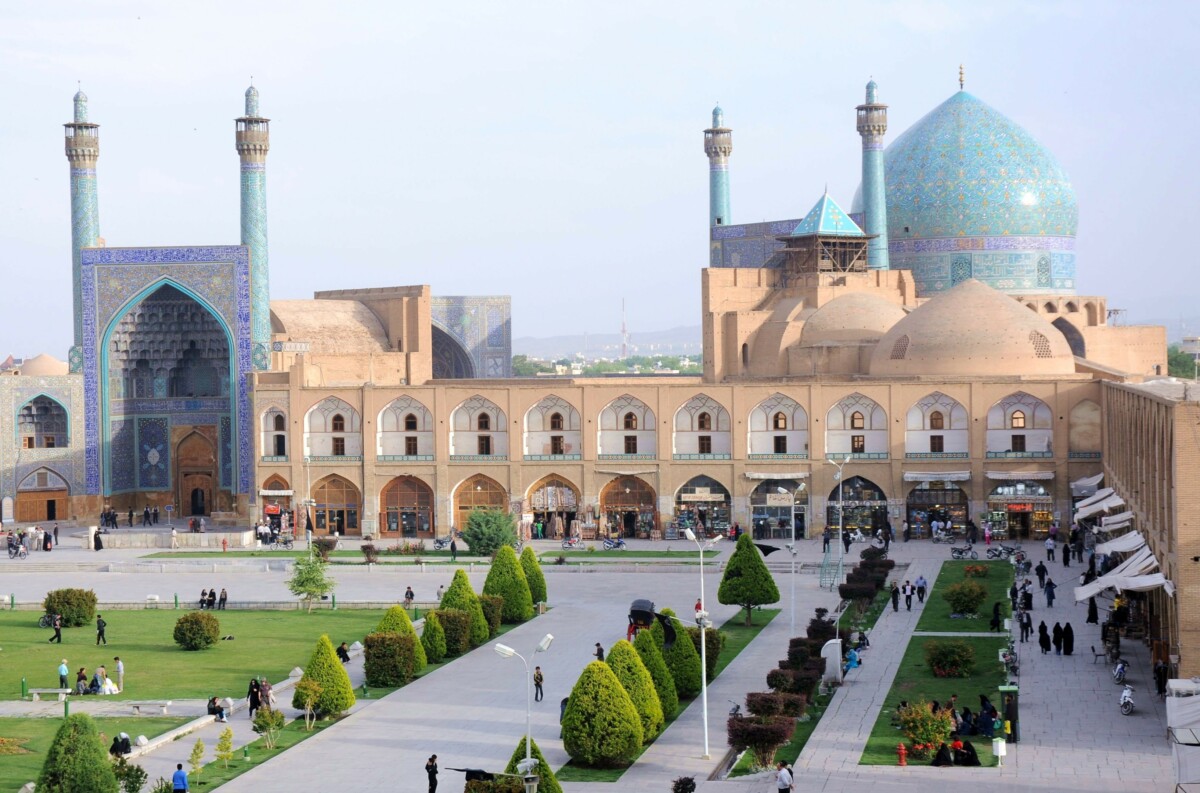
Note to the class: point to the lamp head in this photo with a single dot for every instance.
(783, 491)
(691, 535)
(504, 651)
(544, 644)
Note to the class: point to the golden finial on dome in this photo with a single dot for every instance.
(960, 77)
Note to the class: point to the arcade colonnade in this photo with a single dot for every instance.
(636, 454)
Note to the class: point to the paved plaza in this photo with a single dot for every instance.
(471, 713)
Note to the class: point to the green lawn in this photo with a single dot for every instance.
(737, 636)
(792, 749)
(935, 615)
(22, 763)
(266, 643)
(299, 551)
(217, 773)
(914, 681)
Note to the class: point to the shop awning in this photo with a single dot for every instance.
(1086, 486)
(1017, 475)
(1124, 576)
(1110, 521)
(1107, 527)
(1126, 543)
(774, 475)
(936, 476)
(1099, 495)
(1111, 502)
(1136, 583)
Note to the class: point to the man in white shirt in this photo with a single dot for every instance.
(783, 777)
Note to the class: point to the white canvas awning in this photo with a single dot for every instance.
(1099, 495)
(773, 475)
(1016, 475)
(1126, 543)
(1111, 502)
(1089, 481)
(1134, 574)
(1107, 527)
(1120, 517)
(936, 476)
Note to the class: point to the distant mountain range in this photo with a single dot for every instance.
(673, 341)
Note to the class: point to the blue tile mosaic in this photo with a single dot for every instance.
(153, 453)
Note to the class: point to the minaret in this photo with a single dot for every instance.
(83, 149)
(253, 141)
(718, 145)
(872, 124)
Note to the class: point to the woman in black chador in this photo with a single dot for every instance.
(1093, 613)
(1058, 639)
(1043, 638)
(1068, 639)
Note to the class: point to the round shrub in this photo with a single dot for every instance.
(975, 571)
(507, 580)
(534, 575)
(951, 658)
(761, 735)
(601, 727)
(77, 760)
(197, 630)
(433, 639)
(325, 546)
(635, 678)
(456, 625)
(337, 695)
(768, 703)
(389, 658)
(925, 729)
(461, 596)
(77, 606)
(965, 597)
(395, 620)
(664, 684)
(493, 610)
(489, 529)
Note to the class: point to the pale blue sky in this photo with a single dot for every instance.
(553, 151)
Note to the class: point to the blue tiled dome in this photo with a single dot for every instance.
(970, 194)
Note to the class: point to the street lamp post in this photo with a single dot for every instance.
(504, 651)
(841, 517)
(792, 551)
(702, 620)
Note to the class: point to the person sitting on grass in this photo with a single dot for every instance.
(215, 708)
(81, 684)
(343, 654)
(966, 755)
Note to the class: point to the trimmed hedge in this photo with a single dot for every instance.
(197, 630)
(461, 596)
(389, 659)
(965, 597)
(547, 783)
(821, 628)
(635, 678)
(682, 660)
(337, 695)
(433, 639)
(77, 761)
(857, 591)
(503, 784)
(950, 658)
(533, 575)
(601, 727)
(747, 582)
(762, 736)
(716, 644)
(77, 606)
(396, 620)
(456, 627)
(664, 684)
(506, 579)
(493, 611)
(768, 703)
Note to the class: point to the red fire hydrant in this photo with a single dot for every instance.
(224, 545)
(902, 753)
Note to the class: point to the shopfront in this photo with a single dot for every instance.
(864, 506)
(776, 505)
(276, 499)
(554, 503)
(940, 500)
(408, 507)
(702, 505)
(1020, 508)
(336, 508)
(627, 508)
(478, 492)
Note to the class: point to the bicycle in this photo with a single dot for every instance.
(46, 621)
(282, 544)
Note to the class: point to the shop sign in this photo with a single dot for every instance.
(1020, 507)
(779, 500)
(704, 497)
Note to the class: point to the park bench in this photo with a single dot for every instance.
(137, 706)
(37, 693)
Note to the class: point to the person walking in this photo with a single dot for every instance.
(1049, 590)
(254, 696)
(120, 672)
(221, 600)
(1041, 571)
(1066, 554)
(179, 780)
(908, 590)
(1026, 626)
(922, 585)
(1043, 637)
(1068, 639)
(55, 535)
(1050, 549)
(825, 538)
(154, 515)
(63, 671)
(100, 626)
(599, 652)
(453, 555)
(432, 771)
(1057, 639)
(895, 597)
(846, 540)
(538, 679)
(131, 517)
(57, 624)
(174, 538)
(783, 776)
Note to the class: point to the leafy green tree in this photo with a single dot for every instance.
(268, 722)
(488, 529)
(601, 727)
(506, 579)
(196, 758)
(337, 695)
(310, 581)
(461, 596)
(524, 366)
(197, 630)
(747, 582)
(130, 776)
(664, 684)
(433, 639)
(534, 575)
(682, 659)
(395, 620)
(389, 658)
(224, 750)
(632, 673)
(547, 783)
(1180, 363)
(77, 761)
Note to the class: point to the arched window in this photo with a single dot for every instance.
(856, 421)
(630, 421)
(937, 421)
(338, 423)
(1018, 420)
(410, 422)
(485, 422)
(556, 421)
(704, 421)
(279, 422)
(779, 421)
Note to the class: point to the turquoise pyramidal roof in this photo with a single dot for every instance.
(828, 219)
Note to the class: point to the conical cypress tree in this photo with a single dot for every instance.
(77, 761)
(433, 639)
(534, 575)
(664, 684)
(461, 596)
(547, 783)
(628, 667)
(747, 582)
(506, 579)
(337, 695)
(601, 727)
(395, 620)
(683, 661)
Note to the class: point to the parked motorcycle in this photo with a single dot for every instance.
(963, 552)
(1011, 663)
(570, 542)
(996, 553)
(858, 536)
(617, 544)
(944, 536)
(439, 544)
(1119, 671)
(1127, 700)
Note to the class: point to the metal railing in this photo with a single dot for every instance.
(1019, 455)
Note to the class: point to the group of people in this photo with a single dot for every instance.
(1062, 638)
(1021, 594)
(211, 601)
(110, 519)
(260, 694)
(100, 683)
(35, 538)
(919, 588)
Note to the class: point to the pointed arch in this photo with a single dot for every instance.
(333, 428)
(857, 425)
(1074, 337)
(778, 425)
(936, 425)
(405, 431)
(42, 494)
(406, 507)
(702, 427)
(1020, 425)
(627, 427)
(337, 506)
(553, 429)
(478, 427)
(43, 423)
(477, 492)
